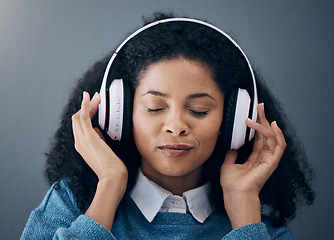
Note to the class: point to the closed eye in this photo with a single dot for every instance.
(193, 112)
(199, 113)
(155, 109)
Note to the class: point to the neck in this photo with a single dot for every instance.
(176, 184)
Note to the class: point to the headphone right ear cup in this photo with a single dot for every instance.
(127, 110)
(228, 119)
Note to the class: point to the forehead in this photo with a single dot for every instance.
(178, 75)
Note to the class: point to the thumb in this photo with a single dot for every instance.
(231, 157)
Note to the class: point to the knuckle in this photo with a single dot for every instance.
(77, 146)
(74, 117)
(91, 134)
(83, 116)
(284, 144)
(271, 135)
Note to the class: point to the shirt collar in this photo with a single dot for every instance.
(150, 197)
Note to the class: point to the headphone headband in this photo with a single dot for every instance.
(190, 20)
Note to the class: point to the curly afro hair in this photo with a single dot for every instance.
(287, 188)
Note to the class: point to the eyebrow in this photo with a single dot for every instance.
(200, 95)
(192, 96)
(156, 93)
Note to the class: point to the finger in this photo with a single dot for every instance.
(231, 157)
(258, 143)
(261, 120)
(265, 136)
(281, 144)
(266, 132)
(94, 105)
(269, 140)
(85, 119)
(272, 141)
(77, 130)
(261, 116)
(260, 138)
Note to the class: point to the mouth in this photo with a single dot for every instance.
(175, 150)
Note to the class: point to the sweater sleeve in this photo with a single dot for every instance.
(259, 231)
(58, 217)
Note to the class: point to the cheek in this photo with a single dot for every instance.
(208, 136)
(139, 134)
(138, 125)
(143, 129)
(208, 132)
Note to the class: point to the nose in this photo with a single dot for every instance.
(175, 124)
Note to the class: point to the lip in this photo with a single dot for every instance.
(175, 150)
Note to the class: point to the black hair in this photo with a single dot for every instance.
(287, 188)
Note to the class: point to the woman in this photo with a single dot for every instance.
(174, 176)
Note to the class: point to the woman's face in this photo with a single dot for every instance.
(177, 114)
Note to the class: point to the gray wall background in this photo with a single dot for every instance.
(46, 45)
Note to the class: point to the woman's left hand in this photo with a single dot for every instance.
(242, 183)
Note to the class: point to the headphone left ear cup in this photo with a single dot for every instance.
(127, 110)
(236, 112)
(239, 132)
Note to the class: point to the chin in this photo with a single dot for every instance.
(177, 171)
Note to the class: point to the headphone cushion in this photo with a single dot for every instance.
(127, 110)
(228, 119)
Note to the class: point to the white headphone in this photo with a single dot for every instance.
(112, 115)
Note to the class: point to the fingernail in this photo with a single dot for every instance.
(84, 95)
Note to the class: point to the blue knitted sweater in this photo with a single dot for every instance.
(58, 217)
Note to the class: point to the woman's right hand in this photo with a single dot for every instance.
(91, 145)
(110, 170)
